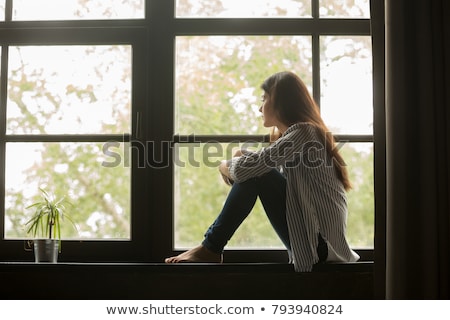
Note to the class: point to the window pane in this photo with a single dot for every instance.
(69, 90)
(344, 8)
(346, 84)
(77, 10)
(200, 193)
(2, 10)
(360, 224)
(99, 190)
(218, 79)
(237, 9)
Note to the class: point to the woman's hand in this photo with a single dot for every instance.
(224, 166)
(225, 172)
(238, 153)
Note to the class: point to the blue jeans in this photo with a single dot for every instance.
(271, 190)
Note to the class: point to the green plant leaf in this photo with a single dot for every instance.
(49, 214)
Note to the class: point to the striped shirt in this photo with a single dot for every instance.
(316, 201)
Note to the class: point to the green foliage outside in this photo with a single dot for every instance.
(217, 92)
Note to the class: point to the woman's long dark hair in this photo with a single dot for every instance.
(293, 104)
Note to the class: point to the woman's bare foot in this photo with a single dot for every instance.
(197, 254)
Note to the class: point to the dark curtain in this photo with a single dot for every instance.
(379, 133)
(417, 149)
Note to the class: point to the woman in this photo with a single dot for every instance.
(301, 180)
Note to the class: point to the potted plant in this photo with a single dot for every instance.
(45, 226)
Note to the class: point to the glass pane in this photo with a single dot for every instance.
(346, 84)
(344, 8)
(237, 9)
(360, 224)
(97, 186)
(218, 79)
(77, 10)
(69, 90)
(200, 193)
(2, 10)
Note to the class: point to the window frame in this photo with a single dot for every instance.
(314, 27)
(54, 33)
(153, 87)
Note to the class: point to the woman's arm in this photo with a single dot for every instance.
(224, 167)
(297, 140)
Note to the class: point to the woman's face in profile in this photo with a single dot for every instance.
(268, 112)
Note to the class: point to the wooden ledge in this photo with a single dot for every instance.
(360, 266)
(28, 280)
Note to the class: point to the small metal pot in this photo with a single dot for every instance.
(46, 250)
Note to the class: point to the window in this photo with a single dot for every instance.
(218, 71)
(70, 102)
(68, 90)
(129, 105)
(25, 10)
